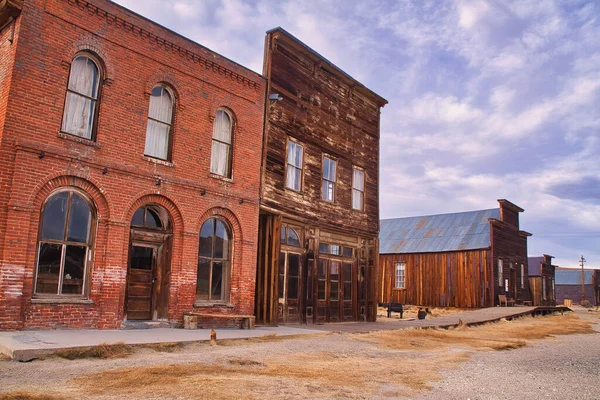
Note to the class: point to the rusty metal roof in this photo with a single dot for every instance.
(436, 233)
(573, 276)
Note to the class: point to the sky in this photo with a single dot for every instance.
(487, 99)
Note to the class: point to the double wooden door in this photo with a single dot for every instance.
(291, 287)
(335, 290)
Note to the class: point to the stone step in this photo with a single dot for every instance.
(145, 324)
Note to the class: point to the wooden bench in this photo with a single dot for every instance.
(248, 321)
(507, 302)
(395, 307)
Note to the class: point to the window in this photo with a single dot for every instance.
(500, 273)
(544, 295)
(82, 98)
(336, 250)
(400, 275)
(220, 162)
(64, 245)
(358, 189)
(329, 167)
(214, 257)
(289, 236)
(158, 132)
(293, 175)
(522, 276)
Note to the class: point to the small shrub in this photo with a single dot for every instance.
(586, 304)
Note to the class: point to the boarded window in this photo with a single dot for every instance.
(220, 162)
(158, 131)
(400, 275)
(358, 189)
(82, 97)
(214, 260)
(64, 245)
(329, 178)
(295, 155)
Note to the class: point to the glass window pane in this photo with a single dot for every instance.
(321, 290)
(336, 249)
(327, 190)
(358, 181)
(79, 221)
(206, 238)
(322, 269)
(283, 229)
(202, 289)
(161, 106)
(55, 216)
(357, 199)
(138, 217)
(221, 240)
(83, 77)
(78, 115)
(74, 270)
(323, 248)
(281, 287)
(334, 291)
(347, 290)
(293, 264)
(157, 140)
(334, 270)
(222, 127)
(347, 252)
(152, 219)
(141, 258)
(216, 281)
(48, 268)
(219, 161)
(292, 289)
(329, 167)
(347, 272)
(292, 238)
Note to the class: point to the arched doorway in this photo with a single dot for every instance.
(149, 268)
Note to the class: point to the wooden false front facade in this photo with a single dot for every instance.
(317, 256)
(454, 260)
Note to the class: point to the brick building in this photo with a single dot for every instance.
(129, 181)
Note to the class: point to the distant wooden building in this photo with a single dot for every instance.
(317, 255)
(568, 285)
(454, 260)
(541, 280)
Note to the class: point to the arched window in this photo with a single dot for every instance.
(148, 217)
(64, 244)
(220, 162)
(214, 260)
(82, 98)
(158, 132)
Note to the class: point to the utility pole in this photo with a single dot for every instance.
(582, 261)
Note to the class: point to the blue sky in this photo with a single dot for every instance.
(487, 99)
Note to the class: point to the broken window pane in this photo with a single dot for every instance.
(55, 216)
(49, 260)
(74, 270)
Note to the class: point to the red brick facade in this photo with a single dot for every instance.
(37, 159)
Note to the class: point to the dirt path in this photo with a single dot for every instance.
(392, 364)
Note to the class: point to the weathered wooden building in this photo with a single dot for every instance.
(541, 280)
(317, 256)
(454, 260)
(568, 285)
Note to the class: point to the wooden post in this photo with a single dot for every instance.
(582, 261)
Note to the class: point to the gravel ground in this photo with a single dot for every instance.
(567, 367)
(564, 368)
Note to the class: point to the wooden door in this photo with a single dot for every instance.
(335, 301)
(290, 287)
(140, 282)
(347, 292)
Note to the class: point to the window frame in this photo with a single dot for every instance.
(500, 272)
(232, 125)
(287, 164)
(171, 93)
(522, 276)
(323, 179)
(397, 276)
(90, 247)
(362, 208)
(226, 275)
(99, 66)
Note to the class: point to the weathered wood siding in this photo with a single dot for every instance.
(451, 279)
(330, 114)
(510, 245)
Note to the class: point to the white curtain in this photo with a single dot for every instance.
(293, 177)
(358, 189)
(78, 118)
(221, 144)
(160, 113)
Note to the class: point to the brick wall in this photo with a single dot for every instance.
(135, 55)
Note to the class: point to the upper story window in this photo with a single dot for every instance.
(358, 189)
(329, 167)
(220, 162)
(293, 179)
(64, 245)
(160, 117)
(81, 106)
(400, 267)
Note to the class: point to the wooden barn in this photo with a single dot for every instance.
(541, 280)
(317, 253)
(462, 259)
(568, 285)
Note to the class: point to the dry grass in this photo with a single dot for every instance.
(23, 395)
(505, 335)
(273, 337)
(411, 312)
(166, 347)
(103, 351)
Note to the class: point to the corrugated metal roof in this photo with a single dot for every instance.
(436, 233)
(573, 276)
